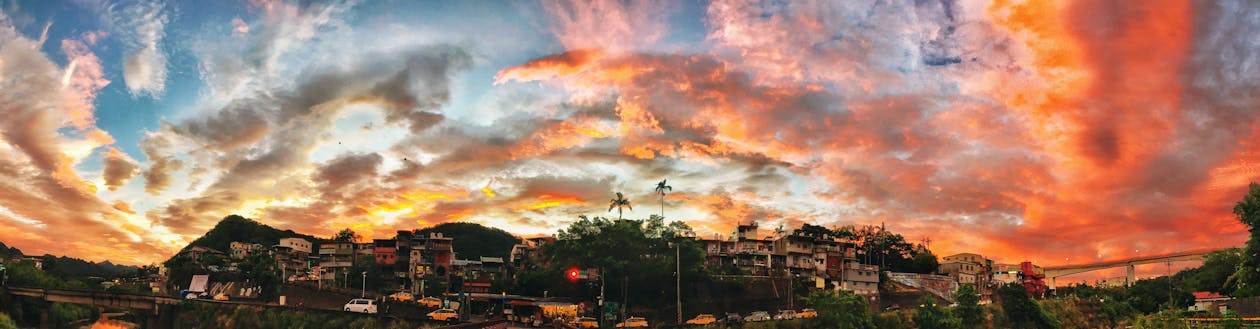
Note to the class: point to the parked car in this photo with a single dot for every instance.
(702, 319)
(361, 305)
(444, 315)
(187, 294)
(430, 301)
(757, 316)
(733, 318)
(221, 297)
(402, 296)
(807, 313)
(586, 322)
(633, 322)
(785, 315)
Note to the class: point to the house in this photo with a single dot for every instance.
(385, 252)
(1207, 301)
(335, 258)
(296, 244)
(797, 253)
(242, 250)
(195, 253)
(431, 256)
(967, 268)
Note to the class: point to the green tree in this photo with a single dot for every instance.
(346, 235)
(1021, 311)
(843, 309)
(932, 316)
(6, 322)
(925, 262)
(1150, 295)
(1212, 275)
(634, 254)
(878, 246)
(969, 311)
(661, 189)
(1166, 319)
(1246, 279)
(619, 202)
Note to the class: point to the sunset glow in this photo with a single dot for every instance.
(1015, 129)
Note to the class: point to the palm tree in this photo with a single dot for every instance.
(619, 202)
(661, 188)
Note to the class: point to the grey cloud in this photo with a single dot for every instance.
(118, 169)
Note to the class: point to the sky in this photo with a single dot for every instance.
(1057, 132)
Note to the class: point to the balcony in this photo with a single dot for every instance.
(334, 264)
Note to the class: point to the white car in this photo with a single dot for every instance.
(360, 305)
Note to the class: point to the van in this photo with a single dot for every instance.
(360, 305)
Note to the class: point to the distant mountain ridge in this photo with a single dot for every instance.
(72, 266)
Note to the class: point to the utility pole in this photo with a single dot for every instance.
(678, 279)
(363, 292)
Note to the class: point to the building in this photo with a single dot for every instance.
(968, 268)
(859, 278)
(196, 253)
(797, 253)
(335, 259)
(291, 255)
(430, 258)
(831, 262)
(385, 252)
(526, 252)
(296, 245)
(1207, 301)
(242, 250)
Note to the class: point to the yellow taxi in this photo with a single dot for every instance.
(634, 322)
(402, 296)
(703, 319)
(444, 315)
(807, 313)
(430, 302)
(586, 322)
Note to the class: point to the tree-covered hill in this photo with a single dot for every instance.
(72, 267)
(240, 229)
(473, 240)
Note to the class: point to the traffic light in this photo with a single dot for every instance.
(573, 274)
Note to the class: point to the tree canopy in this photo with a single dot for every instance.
(1246, 280)
(474, 240)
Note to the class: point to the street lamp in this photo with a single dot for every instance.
(363, 292)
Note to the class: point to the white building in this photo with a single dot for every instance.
(296, 244)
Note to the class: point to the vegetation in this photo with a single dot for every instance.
(1246, 280)
(932, 316)
(839, 310)
(1021, 311)
(619, 202)
(235, 228)
(661, 189)
(6, 322)
(968, 311)
(639, 254)
(473, 240)
(201, 315)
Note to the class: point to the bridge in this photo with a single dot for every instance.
(158, 311)
(1053, 272)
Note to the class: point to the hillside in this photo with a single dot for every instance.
(241, 229)
(474, 240)
(72, 267)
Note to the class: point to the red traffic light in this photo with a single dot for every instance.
(572, 274)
